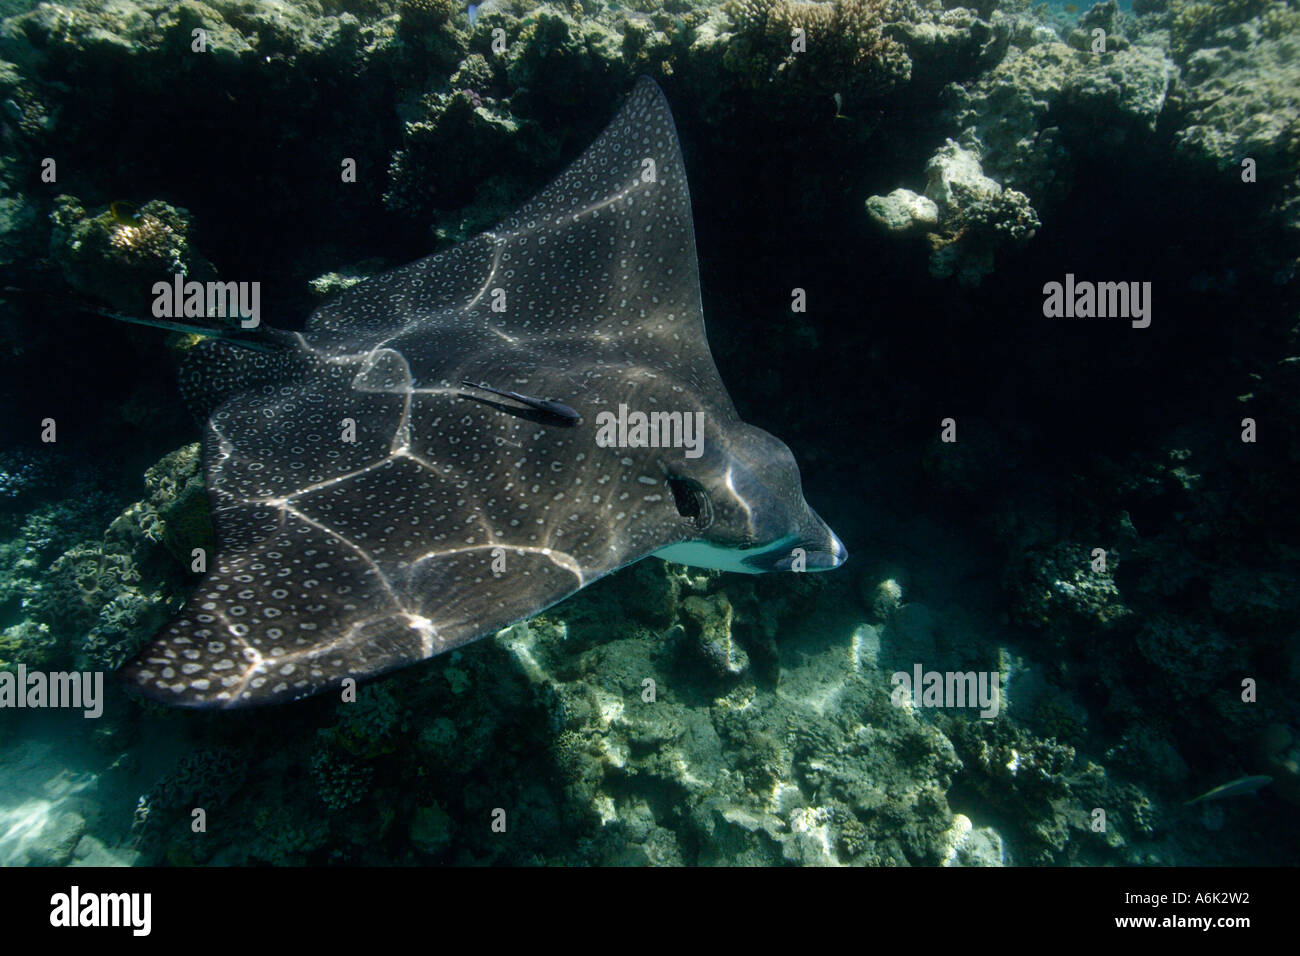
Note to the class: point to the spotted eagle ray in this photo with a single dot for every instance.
(424, 464)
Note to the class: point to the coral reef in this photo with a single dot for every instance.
(453, 130)
(710, 626)
(431, 829)
(1052, 798)
(1065, 583)
(903, 211)
(162, 822)
(27, 642)
(100, 599)
(805, 776)
(340, 782)
(175, 513)
(36, 638)
(118, 254)
(23, 119)
(1195, 26)
(369, 726)
(1022, 126)
(808, 47)
(672, 716)
(976, 215)
(1241, 94)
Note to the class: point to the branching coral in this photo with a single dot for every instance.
(340, 782)
(845, 48)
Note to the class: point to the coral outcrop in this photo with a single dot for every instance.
(117, 255)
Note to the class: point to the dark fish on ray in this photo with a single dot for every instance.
(369, 514)
(556, 412)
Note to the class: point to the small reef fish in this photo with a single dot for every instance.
(124, 213)
(1233, 788)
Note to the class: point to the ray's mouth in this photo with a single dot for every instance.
(805, 556)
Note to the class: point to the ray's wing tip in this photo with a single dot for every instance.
(141, 678)
(645, 83)
(146, 686)
(137, 684)
(647, 90)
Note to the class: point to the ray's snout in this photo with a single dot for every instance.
(814, 556)
(821, 551)
(830, 557)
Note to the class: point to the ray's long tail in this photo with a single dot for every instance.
(260, 339)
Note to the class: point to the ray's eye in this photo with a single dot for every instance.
(692, 502)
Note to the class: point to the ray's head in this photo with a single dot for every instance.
(743, 502)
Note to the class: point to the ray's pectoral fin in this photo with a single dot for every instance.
(365, 523)
(257, 633)
(543, 411)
